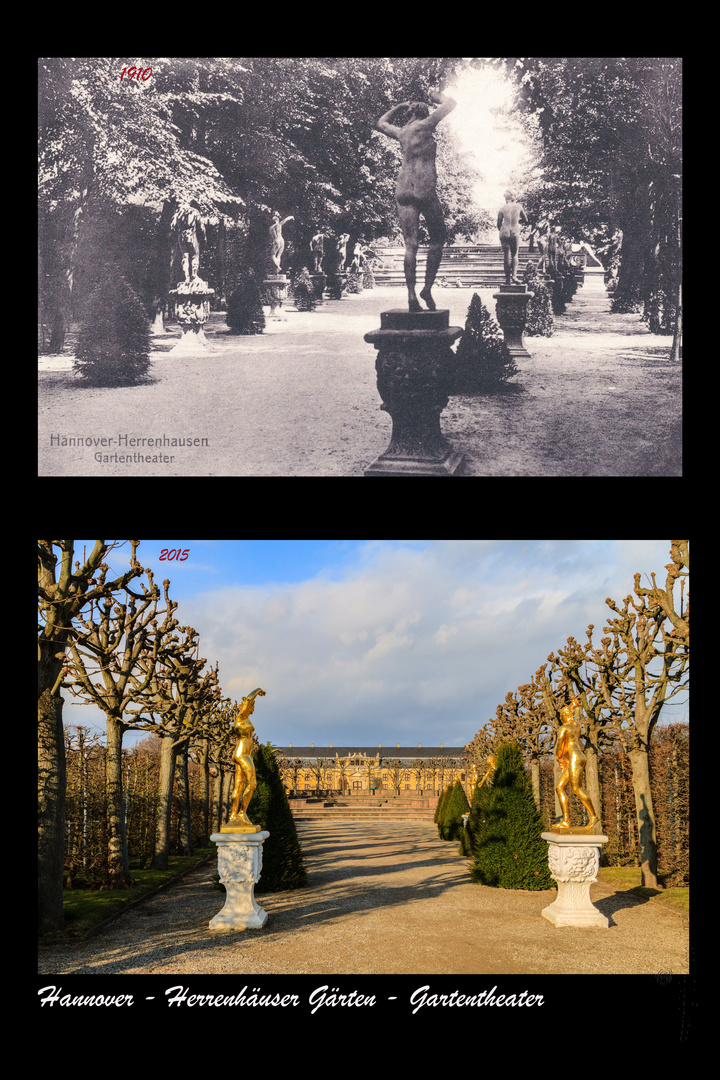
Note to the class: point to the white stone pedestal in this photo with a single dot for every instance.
(239, 863)
(574, 859)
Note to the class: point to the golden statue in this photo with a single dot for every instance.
(491, 762)
(245, 781)
(571, 759)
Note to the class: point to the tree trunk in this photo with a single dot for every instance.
(117, 874)
(51, 807)
(164, 810)
(204, 761)
(645, 817)
(185, 845)
(592, 779)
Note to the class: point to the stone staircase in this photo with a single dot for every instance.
(472, 266)
(364, 808)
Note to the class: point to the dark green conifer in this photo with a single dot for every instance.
(282, 861)
(509, 850)
(439, 808)
(456, 804)
(114, 339)
(483, 363)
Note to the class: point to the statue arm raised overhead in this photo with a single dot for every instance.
(385, 124)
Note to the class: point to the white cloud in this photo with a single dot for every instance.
(419, 642)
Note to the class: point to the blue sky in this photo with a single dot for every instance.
(385, 641)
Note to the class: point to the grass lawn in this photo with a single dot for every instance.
(85, 908)
(630, 877)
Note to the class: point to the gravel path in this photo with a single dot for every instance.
(599, 398)
(381, 899)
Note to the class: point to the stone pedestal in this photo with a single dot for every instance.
(275, 289)
(192, 307)
(239, 863)
(574, 858)
(511, 308)
(318, 281)
(337, 284)
(415, 365)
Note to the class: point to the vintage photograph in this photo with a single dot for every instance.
(323, 266)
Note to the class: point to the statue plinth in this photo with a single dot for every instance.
(414, 367)
(574, 859)
(276, 289)
(318, 280)
(192, 307)
(239, 863)
(511, 308)
(337, 284)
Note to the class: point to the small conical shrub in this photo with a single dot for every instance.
(282, 862)
(478, 808)
(303, 291)
(483, 364)
(539, 321)
(439, 808)
(114, 340)
(509, 851)
(456, 804)
(245, 314)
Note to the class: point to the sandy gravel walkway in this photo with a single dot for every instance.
(599, 398)
(381, 899)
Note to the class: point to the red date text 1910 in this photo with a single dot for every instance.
(136, 73)
(174, 553)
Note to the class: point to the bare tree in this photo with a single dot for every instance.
(113, 636)
(63, 592)
(650, 644)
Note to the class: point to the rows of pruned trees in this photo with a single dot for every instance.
(116, 642)
(636, 773)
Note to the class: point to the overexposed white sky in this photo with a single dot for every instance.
(494, 138)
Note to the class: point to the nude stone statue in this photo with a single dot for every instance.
(416, 192)
(509, 218)
(277, 243)
(189, 228)
(317, 245)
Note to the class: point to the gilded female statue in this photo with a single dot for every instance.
(571, 759)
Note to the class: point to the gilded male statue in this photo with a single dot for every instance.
(245, 781)
(416, 192)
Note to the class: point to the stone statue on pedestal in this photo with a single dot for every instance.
(277, 243)
(189, 229)
(416, 187)
(509, 218)
(317, 246)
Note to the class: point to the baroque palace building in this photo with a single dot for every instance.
(363, 770)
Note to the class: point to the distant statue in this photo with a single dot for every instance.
(317, 247)
(245, 781)
(188, 227)
(509, 218)
(416, 192)
(277, 243)
(571, 759)
(341, 248)
(358, 257)
(552, 251)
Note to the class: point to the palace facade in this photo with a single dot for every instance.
(362, 770)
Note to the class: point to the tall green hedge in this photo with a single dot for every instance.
(450, 824)
(282, 861)
(509, 851)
